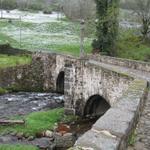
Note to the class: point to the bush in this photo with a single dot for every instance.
(9, 4)
(36, 6)
(147, 58)
(3, 91)
(130, 46)
(30, 5)
(47, 10)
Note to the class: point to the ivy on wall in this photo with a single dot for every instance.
(107, 26)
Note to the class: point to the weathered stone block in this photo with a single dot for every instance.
(97, 141)
(116, 121)
(64, 141)
(126, 104)
(69, 111)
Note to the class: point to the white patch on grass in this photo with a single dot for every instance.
(41, 31)
(26, 16)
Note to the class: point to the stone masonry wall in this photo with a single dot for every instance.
(53, 64)
(84, 79)
(40, 75)
(48, 65)
(22, 78)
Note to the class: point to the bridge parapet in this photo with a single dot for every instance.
(133, 64)
(112, 131)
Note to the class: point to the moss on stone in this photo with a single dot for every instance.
(3, 91)
(132, 138)
(24, 88)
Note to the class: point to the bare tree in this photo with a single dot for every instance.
(142, 9)
(22, 3)
(79, 9)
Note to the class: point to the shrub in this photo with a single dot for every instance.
(3, 91)
(47, 10)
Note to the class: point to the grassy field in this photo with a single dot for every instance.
(9, 61)
(36, 122)
(17, 147)
(58, 36)
(62, 36)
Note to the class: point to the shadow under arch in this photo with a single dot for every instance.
(96, 106)
(60, 83)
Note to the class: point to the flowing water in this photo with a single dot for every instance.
(23, 103)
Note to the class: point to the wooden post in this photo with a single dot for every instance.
(20, 32)
(82, 23)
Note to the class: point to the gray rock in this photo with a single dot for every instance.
(48, 134)
(19, 135)
(65, 141)
(7, 139)
(42, 142)
(30, 138)
(52, 147)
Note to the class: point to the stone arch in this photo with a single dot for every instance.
(60, 82)
(96, 106)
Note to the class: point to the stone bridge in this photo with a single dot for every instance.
(113, 88)
(91, 88)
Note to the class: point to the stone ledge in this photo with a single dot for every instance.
(139, 65)
(111, 132)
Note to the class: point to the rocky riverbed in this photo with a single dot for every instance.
(62, 137)
(23, 103)
(49, 141)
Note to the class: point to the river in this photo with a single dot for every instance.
(23, 103)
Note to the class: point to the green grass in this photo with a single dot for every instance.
(130, 46)
(17, 147)
(73, 49)
(9, 61)
(5, 39)
(36, 122)
(62, 36)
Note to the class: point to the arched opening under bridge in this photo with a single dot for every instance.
(96, 106)
(60, 83)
